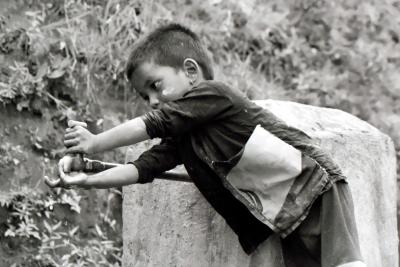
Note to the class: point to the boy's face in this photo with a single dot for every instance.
(159, 84)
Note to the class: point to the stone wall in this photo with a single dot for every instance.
(169, 223)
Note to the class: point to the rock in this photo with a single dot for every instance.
(169, 223)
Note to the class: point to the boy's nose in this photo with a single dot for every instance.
(154, 103)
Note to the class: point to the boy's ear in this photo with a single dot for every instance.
(191, 68)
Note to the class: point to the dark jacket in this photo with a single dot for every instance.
(257, 172)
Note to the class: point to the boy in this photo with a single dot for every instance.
(261, 175)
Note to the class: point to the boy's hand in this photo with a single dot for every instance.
(67, 180)
(78, 139)
(71, 163)
(65, 163)
(74, 179)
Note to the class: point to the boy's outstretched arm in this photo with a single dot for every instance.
(114, 177)
(96, 166)
(79, 140)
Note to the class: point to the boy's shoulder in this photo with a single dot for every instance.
(212, 87)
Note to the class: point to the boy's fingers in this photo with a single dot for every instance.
(63, 176)
(72, 123)
(75, 128)
(70, 135)
(63, 163)
(79, 128)
(51, 182)
(71, 142)
(61, 170)
(74, 149)
(66, 167)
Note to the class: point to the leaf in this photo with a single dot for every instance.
(10, 233)
(35, 235)
(47, 214)
(5, 200)
(66, 257)
(45, 238)
(23, 104)
(73, 231)
(56, 74)
(55, 227)
(42, 71)
(64, 63)
(107, 242)
(48, 227)
(32, 14)
(7, 93)
(98, 230)
(72, 200)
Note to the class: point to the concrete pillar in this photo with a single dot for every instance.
(169, 223)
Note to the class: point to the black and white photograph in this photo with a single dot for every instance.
(214, 133)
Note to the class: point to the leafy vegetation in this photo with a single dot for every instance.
(342, 54)
(36, 235)
(64, 58)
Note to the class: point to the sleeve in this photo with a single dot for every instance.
(156, 160)
(200, 106)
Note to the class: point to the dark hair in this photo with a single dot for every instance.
(169, 45)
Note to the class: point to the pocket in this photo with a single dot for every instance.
(226, 165)
(252, 198)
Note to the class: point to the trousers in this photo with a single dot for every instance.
(328, 237)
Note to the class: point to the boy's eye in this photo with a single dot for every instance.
(145, 97)
(156, 85)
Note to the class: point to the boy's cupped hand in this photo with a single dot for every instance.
(78, 139)
(67, 180)
(74, 179)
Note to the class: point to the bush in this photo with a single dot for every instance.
(35, 234)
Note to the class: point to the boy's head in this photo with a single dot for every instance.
(166, 63)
